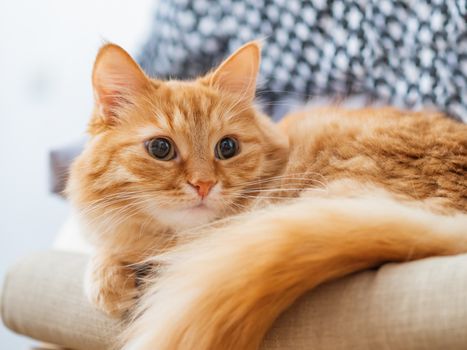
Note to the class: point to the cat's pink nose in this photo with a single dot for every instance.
(202, 187)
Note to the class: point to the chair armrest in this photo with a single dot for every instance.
(43, 298)
(419, 306)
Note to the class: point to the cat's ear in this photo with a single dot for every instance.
(116, 79)
(237, 74)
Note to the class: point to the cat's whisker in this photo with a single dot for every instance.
(259, 196)
(295, 185)
(113, 220)
(273, 190)
(113, 198)
(285, 183)
(112, 212)
(105, 208)
(231, 203)
(289, 181)
(129, 211)
(113, 195)
(302, 175)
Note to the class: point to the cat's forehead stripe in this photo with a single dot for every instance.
(162, 121)
(149, 131)
(178, 119)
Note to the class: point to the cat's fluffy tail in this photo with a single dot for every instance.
(224, 291)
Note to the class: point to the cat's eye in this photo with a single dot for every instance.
(226, 148)
(161, 148)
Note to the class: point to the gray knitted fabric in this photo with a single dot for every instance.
(407, 53)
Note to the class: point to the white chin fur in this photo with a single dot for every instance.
(185, 219)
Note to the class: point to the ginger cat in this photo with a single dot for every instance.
(240, 216)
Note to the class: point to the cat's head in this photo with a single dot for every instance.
(181, 152)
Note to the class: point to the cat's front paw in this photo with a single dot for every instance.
(111, 287)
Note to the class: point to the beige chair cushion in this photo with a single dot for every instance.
(419, 305)
(43, 299)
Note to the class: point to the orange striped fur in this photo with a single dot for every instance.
(325, 193)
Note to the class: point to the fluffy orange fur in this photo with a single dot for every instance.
(324, 193)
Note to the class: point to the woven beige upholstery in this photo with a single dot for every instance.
(418, 306)
(43, 298)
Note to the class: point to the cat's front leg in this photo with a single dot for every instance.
(110, 284)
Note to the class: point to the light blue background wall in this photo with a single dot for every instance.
(46, 52)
